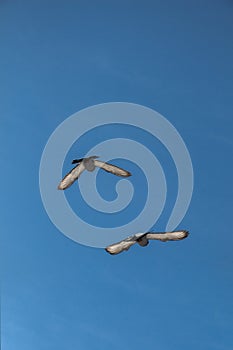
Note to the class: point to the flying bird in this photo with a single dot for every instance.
(89, 164)
(143, 240)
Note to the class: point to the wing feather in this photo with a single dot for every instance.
(167, 236)
(119, 247)
(73, 175)
(112, 168)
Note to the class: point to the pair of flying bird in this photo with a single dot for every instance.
(142, 239)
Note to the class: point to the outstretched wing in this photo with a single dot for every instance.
(112, 168)
(167, 236)
(73, 175)
(119, 247)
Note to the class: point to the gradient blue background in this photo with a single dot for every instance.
(58, 57)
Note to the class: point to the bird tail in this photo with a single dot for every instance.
(75, 161)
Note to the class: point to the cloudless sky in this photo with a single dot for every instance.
(58, 57)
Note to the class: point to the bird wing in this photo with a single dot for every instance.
(119, 247)
(112, 168)
(73, 175)
(167, 236)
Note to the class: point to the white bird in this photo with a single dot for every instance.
(89, 164)
(143, 240)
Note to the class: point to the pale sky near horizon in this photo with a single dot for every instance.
(59, 57)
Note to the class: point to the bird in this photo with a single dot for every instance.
(143, 240)
(89, 164)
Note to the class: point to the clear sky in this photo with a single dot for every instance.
(58, 57)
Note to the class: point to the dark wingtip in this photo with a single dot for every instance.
(128, 174)
(186, 232)
(106, 249)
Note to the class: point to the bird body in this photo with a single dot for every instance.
(89, 164)
(143, 240)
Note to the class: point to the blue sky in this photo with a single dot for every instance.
(59, 57)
